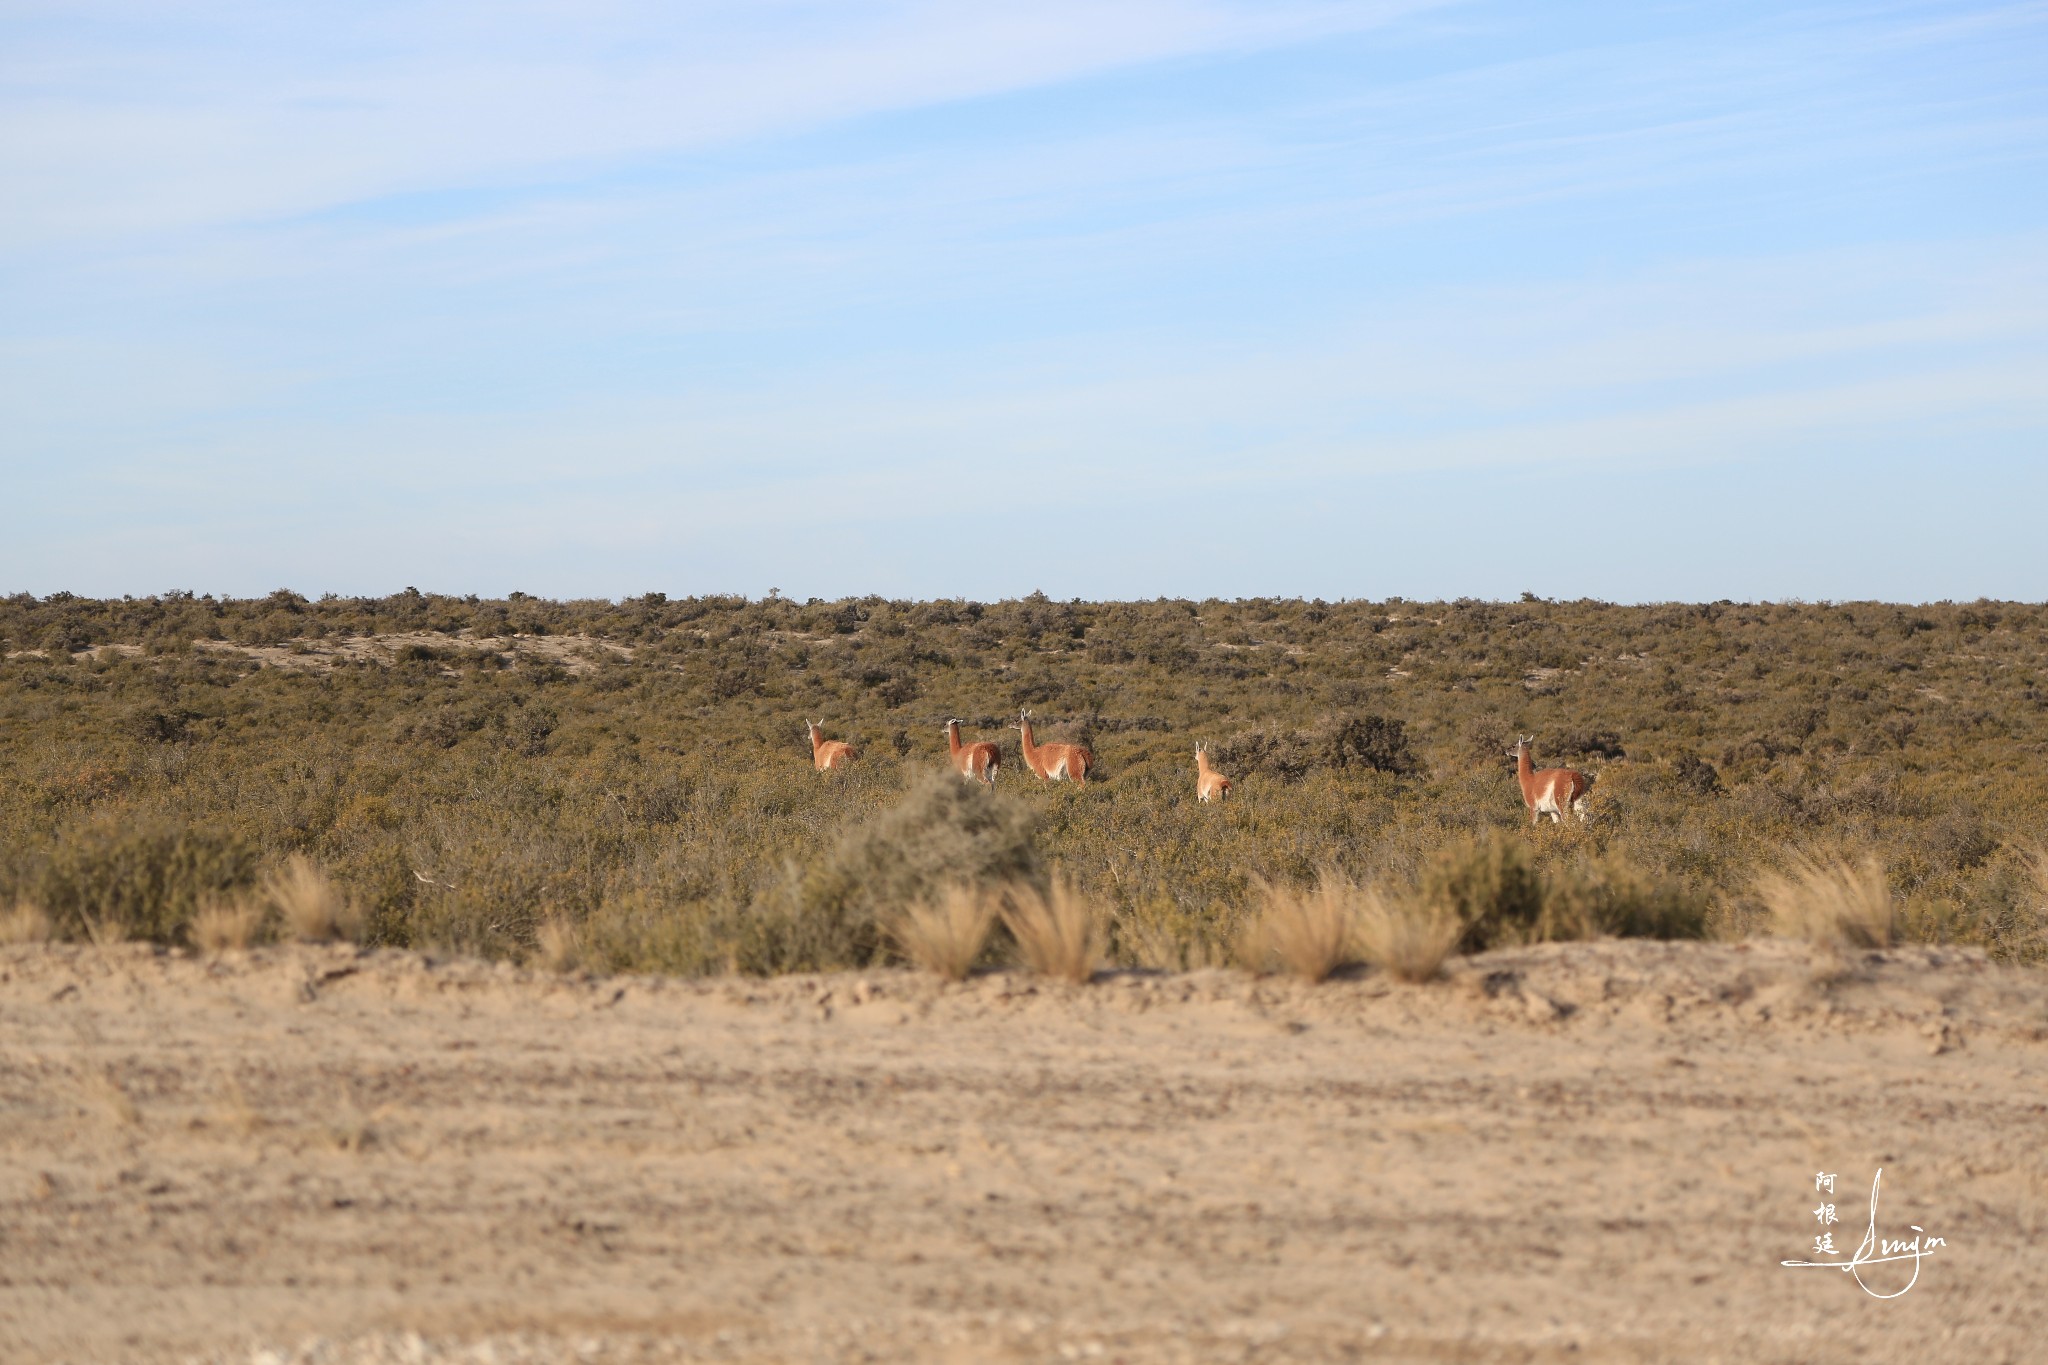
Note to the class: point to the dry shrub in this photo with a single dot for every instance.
(1490, 886)
(1408, 937)
(1162, 935)
(1305, 933)
(557, 946)
(113, 879)
(1830, 898)
(25, 923)
(1058, 931)
(1611, 897)
(225, 922)
(313, 907)
(104, 931)
(942, 833)
(945, 935)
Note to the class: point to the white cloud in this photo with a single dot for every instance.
(121, 118)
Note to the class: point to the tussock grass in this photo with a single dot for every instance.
(104, 931)
(1308, 934)
(1058, 931)
(25, 923)
(557, 945)
(313, 908)
(946, 934)
(1406, 936)
(1836, 899)
(226, 922)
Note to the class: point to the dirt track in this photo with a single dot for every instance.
(1586, 1152)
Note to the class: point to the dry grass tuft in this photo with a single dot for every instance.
(1058, 933)
(226, 922)
(25, 923)
(313, 907)
(1831, 898)
(1408, 937)
(104, 931)
(557, 945)
(1308, 934)
(945, 935)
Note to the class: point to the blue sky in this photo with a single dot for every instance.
(1182, 297)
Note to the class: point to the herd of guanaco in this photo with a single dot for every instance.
(1545, 791)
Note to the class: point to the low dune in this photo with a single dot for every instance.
(1578, 1152)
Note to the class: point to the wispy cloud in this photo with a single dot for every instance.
(613, 287)
(124, 117)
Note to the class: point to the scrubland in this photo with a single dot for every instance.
(628, 785)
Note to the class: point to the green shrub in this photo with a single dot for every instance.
(1610, 897)
(140, 881)
(944, 833)
(1491, 885)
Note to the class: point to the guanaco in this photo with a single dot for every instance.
(1210, 785)
(1549, 791)
(976, 762)
(827, 754)
(1054, 762)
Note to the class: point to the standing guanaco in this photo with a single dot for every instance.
(827, 754)
(1549, 791)
(1210, 785)
(1054, 762)
(976, 762)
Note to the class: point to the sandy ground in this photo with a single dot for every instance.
(1584, 1152)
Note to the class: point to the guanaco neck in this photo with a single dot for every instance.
(1026, 742)
(816, 742)
(953, 736)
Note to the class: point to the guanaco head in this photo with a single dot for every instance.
(1522, 746)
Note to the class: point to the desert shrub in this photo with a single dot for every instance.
(1407, 936)
(313, 909)
(139, 881)
(1695, 775)
(556, 944)
(1057, 930)
(1610, 897)
(947, 934)
(1369, 741)
(223, 922)
(25, 923)
(1306, 933)
(1830, 898)
(943, 833)
(1490, 885)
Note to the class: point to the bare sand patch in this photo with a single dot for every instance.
(1586, 1152)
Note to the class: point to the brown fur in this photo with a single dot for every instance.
(1054, 762)
(976, 762)
(1210, 785)
(1565, 786)
(827, 754)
